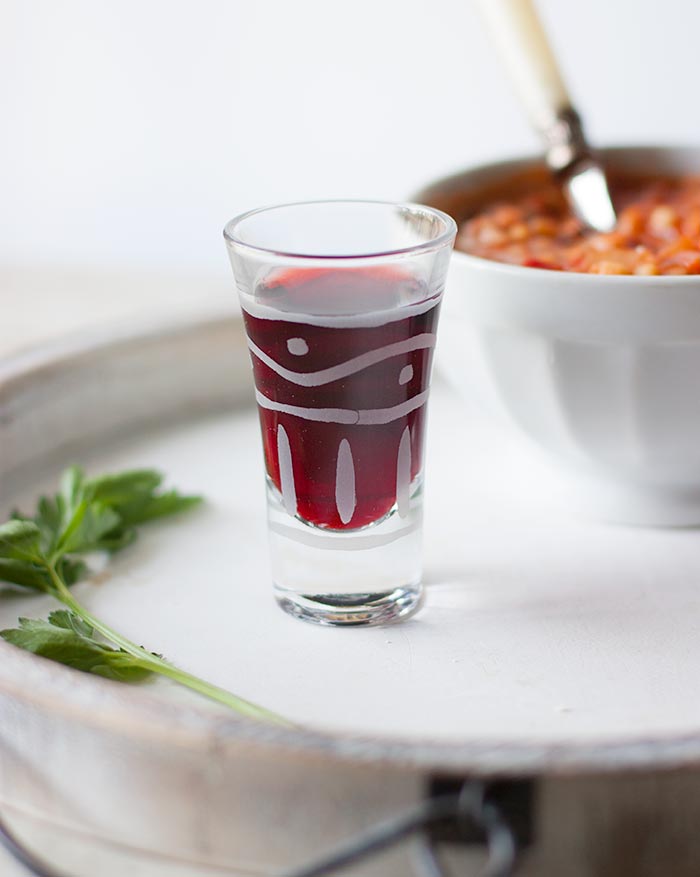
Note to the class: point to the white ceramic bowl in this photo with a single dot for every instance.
(602, 372)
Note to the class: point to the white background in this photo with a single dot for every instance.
(132, 130)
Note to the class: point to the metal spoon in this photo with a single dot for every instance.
(518, 34)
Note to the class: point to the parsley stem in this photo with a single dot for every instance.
(159, 665)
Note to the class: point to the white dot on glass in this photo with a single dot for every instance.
(297, 346)
(405, 374)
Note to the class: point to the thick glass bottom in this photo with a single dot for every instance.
(368, 575)
(351, 610)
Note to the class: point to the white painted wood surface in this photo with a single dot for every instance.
(42, 303)
(535, 628)
(545, 646)
(520, 640)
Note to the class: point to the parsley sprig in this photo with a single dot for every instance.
(66, 638)
(44, 553)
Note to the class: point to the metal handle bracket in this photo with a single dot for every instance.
(497, 816)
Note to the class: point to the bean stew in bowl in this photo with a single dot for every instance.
(587, 343)
(657, 232)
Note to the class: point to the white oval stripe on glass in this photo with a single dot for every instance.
(297, 346)
(406, 374)
(403, 474)
(345, 496)
(366, 417)
(284, 457)
(347, 368)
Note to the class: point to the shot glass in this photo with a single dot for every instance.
(340, 301)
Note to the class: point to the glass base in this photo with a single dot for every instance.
(351, 610)
(318, 573)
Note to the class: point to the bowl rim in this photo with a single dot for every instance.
(548, 275)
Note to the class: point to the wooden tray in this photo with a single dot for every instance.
(548, 647)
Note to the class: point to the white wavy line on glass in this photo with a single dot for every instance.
(350, 366)
(335, 321)
(366, 417)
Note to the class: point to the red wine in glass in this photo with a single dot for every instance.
(342, 363)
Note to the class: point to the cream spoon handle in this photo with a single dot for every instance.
(520, 38)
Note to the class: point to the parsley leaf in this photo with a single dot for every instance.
(68, 639)
(96, 514)
(23, 574)
(19, 540)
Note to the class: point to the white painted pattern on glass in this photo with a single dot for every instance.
(334, 321)
(350, 366)
(284, 456)
(297, 346)
(403, 473)
(366, 417)
(340, 542)
(345, 496)
(406, 374)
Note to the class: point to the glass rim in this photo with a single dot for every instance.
(445, 237)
